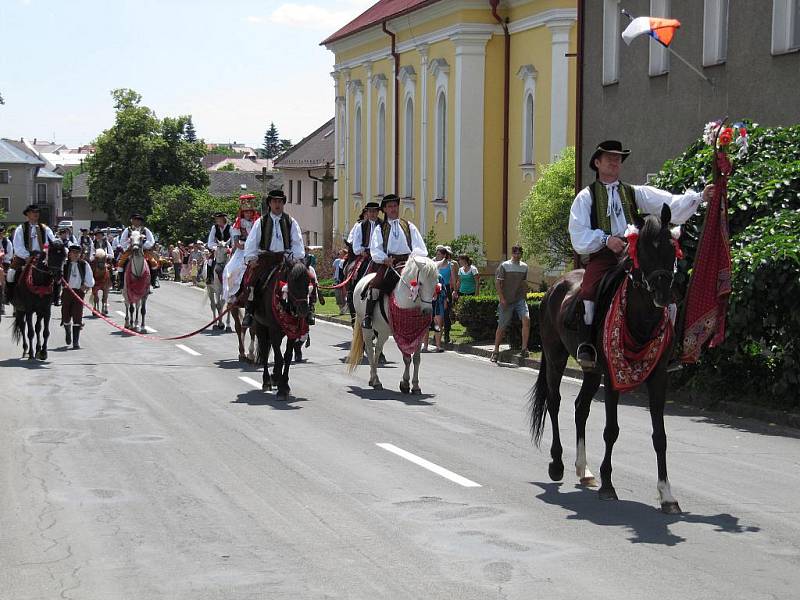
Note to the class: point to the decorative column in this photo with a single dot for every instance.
(348, 108)
(339, 128)
(470, 67)
(422, 195)
(559, 85)
(368, 154)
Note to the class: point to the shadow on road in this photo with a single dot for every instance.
(408, 399)
(646, 522)
(32, 365)
(235, 364)
(259, 398)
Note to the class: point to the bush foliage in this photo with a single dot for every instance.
(478, 315)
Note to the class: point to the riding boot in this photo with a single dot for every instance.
(154, 279)
(10, 292)
(310, 319)
(247, 320)
(68, 331)
(367, 322)
(76, 335)
(586, 353)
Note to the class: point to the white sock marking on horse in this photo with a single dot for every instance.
(665, 492)
(580, 459)
(188, 350)
(251, 381)
(425, 464)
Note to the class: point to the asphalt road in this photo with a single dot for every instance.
(134, 469)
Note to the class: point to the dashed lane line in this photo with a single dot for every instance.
(251, 381)
(188, 350)
(426, 464)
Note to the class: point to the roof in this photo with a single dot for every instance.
(228, 183)
(243, 164)
(47, 174)
(312, 151)
(12, 153)
(80, 185)
(377, 13)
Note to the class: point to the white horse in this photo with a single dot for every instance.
(415, 293)
(214, 289)
(137, 285)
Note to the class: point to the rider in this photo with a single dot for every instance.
(29, 237)
(392, 242)
(274, 238)
(101, 243)
(137, 223)
(600, 214)
(220, 231)
(361, 236)
(86, 243)
(79, 278)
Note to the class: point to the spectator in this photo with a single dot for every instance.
(447, 269)
(511, 282)
(338, 277)
(177, 261)
(469, 281)
(439, 308)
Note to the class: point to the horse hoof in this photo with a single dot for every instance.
(556, 471)
(376, 385)
(405, 387)
(588, 482)
(242, 358)
(607, 493)
(266, 387)
(228, 329)
(282, 396)
(416, 391)
(670, 508)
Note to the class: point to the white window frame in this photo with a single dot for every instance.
(440, 127)
(408, 147)
(611, 38)
(659, 55)
(8, 176)
(785, 26)
(715, 32)
(381, 141)
(357, 150)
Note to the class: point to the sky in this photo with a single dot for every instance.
(234, 65)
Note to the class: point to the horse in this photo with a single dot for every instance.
(647, 276)
(33, 295)
(101, 270)
(414, 294)
(281, 310)
(137, 285)
(214, 289)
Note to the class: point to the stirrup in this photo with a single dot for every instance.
(586, 354)
(367, 322)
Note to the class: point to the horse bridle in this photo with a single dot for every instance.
(648, 281)
(419, 296)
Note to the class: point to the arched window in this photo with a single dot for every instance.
(409, 149)
(381, 149)
(528, 129)
(357, 153)
(441, 147)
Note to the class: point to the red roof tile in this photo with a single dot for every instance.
(377, 13)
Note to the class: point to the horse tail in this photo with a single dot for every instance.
(537, 403)
(356, 348)
(18, 328)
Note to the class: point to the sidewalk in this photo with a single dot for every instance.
(681, 397)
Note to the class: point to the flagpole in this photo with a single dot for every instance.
(676, 55)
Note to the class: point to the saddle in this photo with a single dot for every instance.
(605, 295)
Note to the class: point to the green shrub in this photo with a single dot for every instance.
(478, 315)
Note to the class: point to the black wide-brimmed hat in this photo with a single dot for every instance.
(74, 247)
(276, 194)
(389, 198)
(610, 146)
(137, 216)
(371, 205)
(30, 208)
(220, 214)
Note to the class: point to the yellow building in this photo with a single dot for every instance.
(427, 120)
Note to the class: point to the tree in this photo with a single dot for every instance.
(544, 217)
(228, 167)
(190, 135)
(272, 142)
(138, 155)
(285, 145)
(184, 213)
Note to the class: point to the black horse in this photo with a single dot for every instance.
(33, 296)
(648, 294)
(271, 328)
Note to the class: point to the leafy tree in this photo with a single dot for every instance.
(225, 150)
(544, 217)
(469, 244)
(272, 142)
(138, 155)
(228, 167)
(184, 213)
(431, 241)
(285, 145)
(190, 135)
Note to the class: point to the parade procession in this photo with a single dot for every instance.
(338, 362)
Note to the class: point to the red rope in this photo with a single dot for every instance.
(136, 333)
(349, 277)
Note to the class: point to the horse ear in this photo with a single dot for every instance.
(666, 215)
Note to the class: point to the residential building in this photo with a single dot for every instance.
(656, 105)
(25, 179)
(229, 183)
(247, 163)
(78, 208)
(310, 155)
(430, 126)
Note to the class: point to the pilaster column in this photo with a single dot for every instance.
(368, 162)
(422, 195)
(559, 85)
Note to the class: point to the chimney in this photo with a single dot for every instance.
(34, 141)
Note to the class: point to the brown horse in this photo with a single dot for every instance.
(101, 270)
(649, 289)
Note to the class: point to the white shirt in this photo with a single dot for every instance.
(19, 240)
(103, 245)
(355, 237)
(8, 247)
(125, 241)
(397, 242)
(74, 280)
(211, 244)
(649, 200)
(252, 245)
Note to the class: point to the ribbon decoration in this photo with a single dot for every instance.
(347, 280)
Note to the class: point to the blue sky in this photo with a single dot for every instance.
(234, 65)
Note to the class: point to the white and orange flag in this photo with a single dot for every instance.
(661, 30)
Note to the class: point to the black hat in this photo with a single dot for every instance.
(74, 247)
(389, 198)
(371, 205)
(610, 146)
(137, 216)
(276, 194)
(30, 208)
(220, 214)
(84, 229)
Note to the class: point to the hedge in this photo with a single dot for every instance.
(478, 315)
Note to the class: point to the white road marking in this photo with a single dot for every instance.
(425, 464)
(335, 324)
(149, 329)
(188, 350)
(120, 313)
(251, 381)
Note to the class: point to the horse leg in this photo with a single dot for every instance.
(415, 389)
(143, 308)
(251, 349)
(283, 385)
(554, 365)
(237, 323)
(39, 320)
(45, 336)
(373, 351)
(405, 385)
(583, 403)
(610, 435)
(128, 315)
(277, 359)
(656, 388)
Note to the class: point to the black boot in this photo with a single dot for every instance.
(247, 320)
(310, 319)
(68, 331)
(154, 279)
(10, 292)
(367, 322)
(586, 353)
(76, 335)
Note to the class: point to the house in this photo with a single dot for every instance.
(655, 104)
(247, 163)
(26, 179)
(311, 154)
(421, 110)
(229, 183)
(78, 208)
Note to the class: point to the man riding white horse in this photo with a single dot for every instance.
(137, 223)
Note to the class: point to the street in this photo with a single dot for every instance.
(138, 469)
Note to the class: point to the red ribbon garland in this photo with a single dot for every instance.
(346, 281)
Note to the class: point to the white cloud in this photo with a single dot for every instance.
(254, 19)
(317, 16)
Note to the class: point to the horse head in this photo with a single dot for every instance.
(655, 256)
(56, 254)
(221, 252)
(421, 277)
(299, 288)
(137, 240)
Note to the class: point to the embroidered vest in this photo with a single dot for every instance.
(365, 232)
(599, 212)
(266, 231)
(81, 270)
(222, 235)
(386, 229)
(27, 239)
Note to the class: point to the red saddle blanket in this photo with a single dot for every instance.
(409, 326)
(630, 363)
(293, 327)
